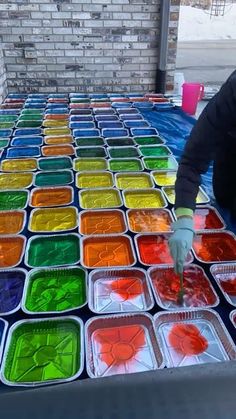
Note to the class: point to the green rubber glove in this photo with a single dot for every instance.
(181, 242)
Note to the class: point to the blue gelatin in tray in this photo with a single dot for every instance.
(9, 112)
(58, 96)
(121, 104)
(35, 105)
(37, 101)
(86, 133)
(97, 95)
(82, 125)
(81, 112)
(104, 111)
(111, 133)
(81, 118)
(146, 105)
(11, 290)
(38, 96)
(27, 141)
(27, 131)
(57, 111)
(55, 106)
(79, 95)
(136, 124)
(110, 125)
(17, 96)
(5, 132)
(15, 152)
(136, 132)
(135, 117)
(100, 118)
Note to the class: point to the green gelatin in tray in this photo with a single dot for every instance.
(162, 163)
(56, 290)
(90, 152)
(55, 163)
(43, 351)
(125, 152)
(53, 179)
(89, 142)
(12, 200)
(32, 112)
(6, 125)
(53, 251)
(153, 151)
(121, 165)
(29, 124)
(148, 140)
(31, 117)
(4, 142)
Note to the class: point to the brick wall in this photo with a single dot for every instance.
(83, 45)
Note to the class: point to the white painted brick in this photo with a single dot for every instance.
(8, 6)
(41, 15)
(113, 23)
(67, 7)
(95, 23)
(122, 16)
(29, 7)
(62, 15)
(81, 15)
(48, 7)
(74, 53)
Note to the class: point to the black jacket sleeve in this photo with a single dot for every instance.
(217, 119)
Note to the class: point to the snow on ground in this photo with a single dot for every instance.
(196, 24)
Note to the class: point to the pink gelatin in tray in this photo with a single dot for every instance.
(154, 250)
(198, 291)
(207, 218)
(215, 247)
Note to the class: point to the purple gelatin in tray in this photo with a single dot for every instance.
(11, 290)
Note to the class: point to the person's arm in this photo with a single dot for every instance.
(215, 121)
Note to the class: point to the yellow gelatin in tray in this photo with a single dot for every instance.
(144, 198)
(133, 181)
(164, 178)
(94, 180)
(81, 165)
(100, 198)
(19, 165)
(58, 139)
(15, 180)
(202, 197)
(55, 123)
(56, 131)
(53, 219)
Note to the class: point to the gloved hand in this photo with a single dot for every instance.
(181, 241)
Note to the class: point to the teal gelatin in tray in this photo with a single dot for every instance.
(55, 163)
(94, 152)
(12, 200)
(44, 351)
(4, 142)
(89, 142)
(55, 290)
(152, 140)
(56, 250)
(60, 178)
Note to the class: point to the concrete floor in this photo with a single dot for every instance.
(208, 62)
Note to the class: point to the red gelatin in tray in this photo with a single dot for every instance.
(215, 247)
(127, 288)
(207, 219)
(233, 317)
(187, 340)
(197, 288)
(229, 286)
(154, 250)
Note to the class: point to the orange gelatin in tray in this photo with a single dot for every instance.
(187, 340)
(126, 288)
(11, 250)
(215, 247)
(102, 222)
(58, 150)
(56, 116)
(150, 220)
(11, 222)
(107, 251)
(58, 139)
(154, 250)
(51, 197)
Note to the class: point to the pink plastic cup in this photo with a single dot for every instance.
(192, 93)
